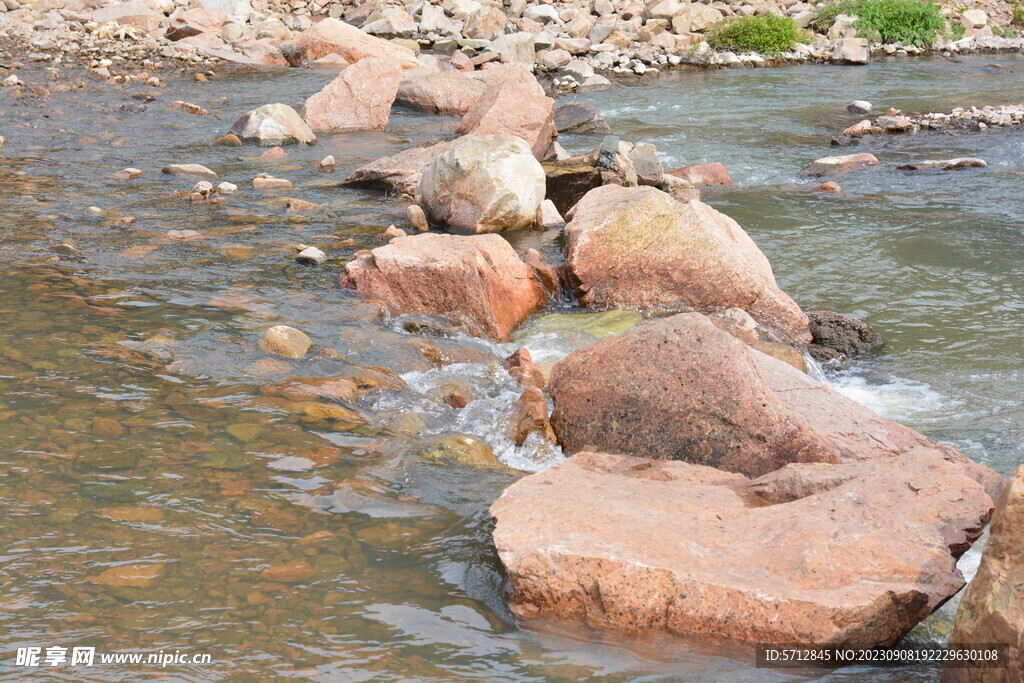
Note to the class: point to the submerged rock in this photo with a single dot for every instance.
(840, 164)
(285, 341)
(859, 107)
(944, 164)
(360, 98)
(483, 183)
(853, 554)
(274, 124)
(477, 283)
(992, 608)
(640, 249)
(838, 337)
(461, 448)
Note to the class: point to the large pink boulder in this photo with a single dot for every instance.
(513, 104)
(992, 608)
(680, 388)
(638, 248)
(401, 172)
(851, 554)
(360, 98)
(477, 283)
(334, 37)
(194, 22)
(704, 175)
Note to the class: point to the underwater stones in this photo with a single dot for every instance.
(477, 283)
(838, 337)
(483, 183)
(133, 575)
(125, 174)
(639, 249)
(296, 571)
(272, 125)
(285, 341)
(841, 164)
(360, 98)
(853, 554)
(859, 107)
(461, 448)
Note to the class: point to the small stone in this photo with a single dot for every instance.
(190, 170)
(106, 427)
(859, 107)
(327, 164)
(285, 341)
(184, 234)
(265, 181)
(229, 140)
(203, 188)
(126, 174)
(227, 188)
(829, 188)
(311, 256)
(416, 218)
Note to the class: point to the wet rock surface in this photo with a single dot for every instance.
(639, 249)
(837, 337)
(628, 543)
(477, 283)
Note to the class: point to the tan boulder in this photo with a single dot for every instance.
(450, 93)
(333, 36)
(360, 98)
(853, 554)
(477, 282)
(517, 106)
(401, 172)
(992, 608)
(637, 248)
(195, 21)
(483, 183)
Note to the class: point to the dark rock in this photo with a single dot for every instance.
(837, 336)
(566, 185)
(581, 118)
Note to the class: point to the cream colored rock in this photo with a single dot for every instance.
(285, 341)
(483, 183)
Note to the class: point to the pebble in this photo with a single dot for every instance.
(190, 170)
(203, 188)
(859, 107)
(265, 181)
(416, 218)
(126, 174)
(227, 188)
(326, 164)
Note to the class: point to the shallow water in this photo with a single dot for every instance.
(141, 424)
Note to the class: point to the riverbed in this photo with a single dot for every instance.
(142, 425)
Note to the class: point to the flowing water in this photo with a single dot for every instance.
(141, 425)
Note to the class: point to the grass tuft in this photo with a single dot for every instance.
(911, 22)
(767, 34)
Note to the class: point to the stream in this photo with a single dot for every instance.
(140, 423)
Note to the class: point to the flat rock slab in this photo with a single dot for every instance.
(833, 554)
(400, 172)
(944, 165)
(841, 164)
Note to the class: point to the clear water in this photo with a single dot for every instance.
(159, 344)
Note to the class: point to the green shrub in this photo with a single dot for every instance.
(1017, 14)
(767, 34)
(911, 22)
